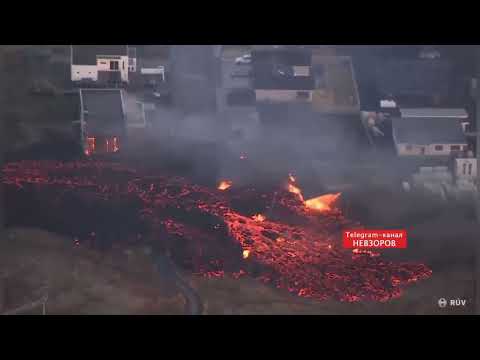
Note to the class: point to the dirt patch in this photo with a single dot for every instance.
(80, 281)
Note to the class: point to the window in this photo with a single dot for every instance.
(438, 147)
(123, 65)
(465, 148)
(470, 169)
(113, 65)
(464, 169)
(103, 62)
(455, 147)
(408, 147)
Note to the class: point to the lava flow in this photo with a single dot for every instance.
(320, 203)
(209, 232)
(259, 217)
(224, 185)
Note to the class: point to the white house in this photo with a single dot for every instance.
(429, 132)
(104, 64)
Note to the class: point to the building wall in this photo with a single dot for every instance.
(429, 150)
(81, 72)
(132, 64)
(281, 95)
(104, 65)
(466, 168)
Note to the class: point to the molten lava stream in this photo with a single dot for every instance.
(305, 259)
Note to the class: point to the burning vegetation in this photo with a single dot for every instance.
(208, 232)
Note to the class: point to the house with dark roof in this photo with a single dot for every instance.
(429, 132)
(408, 82)
(102, 119)
(282, 74)
(100, 64)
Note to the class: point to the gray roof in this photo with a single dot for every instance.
(412, 82)
(412, 76)
(87, 54)
(428, 130)
(433, 112)
(103, 111)
(262, 80)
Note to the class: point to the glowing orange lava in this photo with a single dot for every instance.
(224, 185)
(319, 203)
(303, 257)
(322, 203)
(259, 217)
(295, 190)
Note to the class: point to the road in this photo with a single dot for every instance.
(166, 268)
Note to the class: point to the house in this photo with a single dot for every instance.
(384, 83)
(429, 132)
(282, 74)
(103, 120)
(100, 64)
(414, 82)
